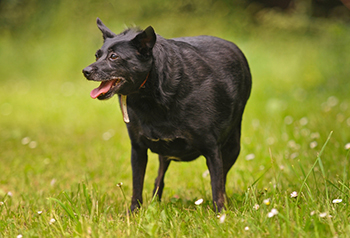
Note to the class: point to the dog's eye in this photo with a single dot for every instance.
(113, 56)
(98, 54)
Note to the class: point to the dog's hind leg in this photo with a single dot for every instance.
(215, 166)
(159, 183)
(230, 151)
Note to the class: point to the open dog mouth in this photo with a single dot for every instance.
(106, 88)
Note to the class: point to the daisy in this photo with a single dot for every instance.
(347, 146)
(222, 218)
(294, 194)
(198, 202)
(250, 157)
(273, 212)
(335, 201)
(267, 201)
(323, 214)
(119, 184)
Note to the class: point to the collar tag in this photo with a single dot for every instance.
(124, 107)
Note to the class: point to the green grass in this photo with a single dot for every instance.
(62, 154)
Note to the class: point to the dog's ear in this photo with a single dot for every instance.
(107, 33)
(145, 40)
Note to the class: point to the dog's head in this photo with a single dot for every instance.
(123, 63)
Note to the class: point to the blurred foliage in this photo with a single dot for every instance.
(42, 15)
(36, 34)
(39, 15)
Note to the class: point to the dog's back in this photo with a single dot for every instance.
(213, 79)
(222, 60)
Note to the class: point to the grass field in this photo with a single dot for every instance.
(63, 154)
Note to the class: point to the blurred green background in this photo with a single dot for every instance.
(53, 135)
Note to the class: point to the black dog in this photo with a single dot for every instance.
(181, 98)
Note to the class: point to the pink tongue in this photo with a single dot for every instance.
(103, 88)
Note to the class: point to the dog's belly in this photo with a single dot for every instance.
(176, 149)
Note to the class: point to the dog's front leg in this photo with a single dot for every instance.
(138, 164)
(215, 166)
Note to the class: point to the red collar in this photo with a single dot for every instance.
(143, 84)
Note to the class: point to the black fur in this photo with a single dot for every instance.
(191, 104)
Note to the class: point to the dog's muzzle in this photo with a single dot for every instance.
(88, 71)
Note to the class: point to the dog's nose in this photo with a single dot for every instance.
(88, 71)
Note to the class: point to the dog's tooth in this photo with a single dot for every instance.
(117, 80)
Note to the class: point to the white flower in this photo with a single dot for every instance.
(332, 101)
(294, 194)
(294, 155)
(250, 157)
(39, 212)
(25, 140)
(119, 184)
(52, 220)
(205, 174)
(53, 181)
(246, 228)
(323, 214)
(222, 218)
(256, 206)
(337, 201)
(1, 203)
(313, 144)
(267, 201)
(19, 236)
(303, 121)
(288, 120)
(293, 145)
(347, 146)
(33, 144)
(9, 194)
(198, 202)
(106, 136)
(270, 141)
(272, 213)
(315, 135)
(312, 213)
